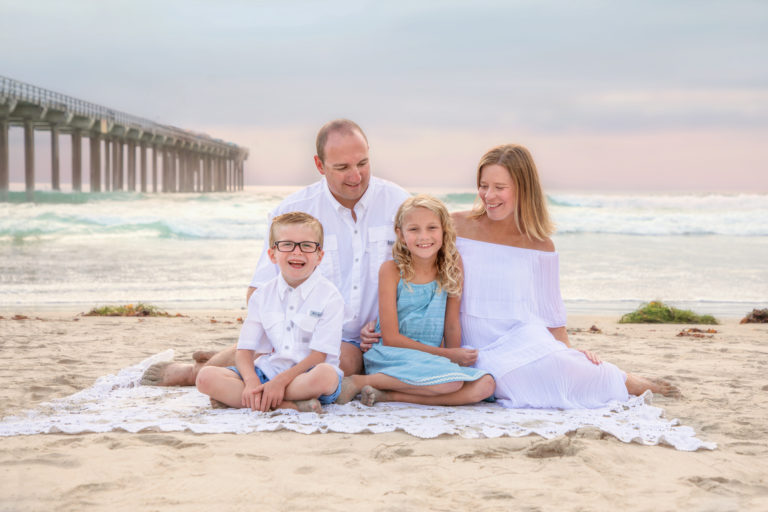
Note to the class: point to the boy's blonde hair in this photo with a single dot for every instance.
(302, 218)
(531, 215)
(448, 268)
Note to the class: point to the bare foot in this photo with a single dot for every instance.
(219, 405)
(169, 374)
(637, 385)
(202, 356)
(369, 395)
(311, 405)
(349, 390)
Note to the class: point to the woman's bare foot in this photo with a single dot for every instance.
(349, 390)
(369, 395)
(637, 385)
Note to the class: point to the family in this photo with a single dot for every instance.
(364, 290)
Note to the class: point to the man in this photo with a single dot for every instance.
(357, 212)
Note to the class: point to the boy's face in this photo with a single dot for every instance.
(295, 266)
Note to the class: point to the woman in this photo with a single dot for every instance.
(512, 310)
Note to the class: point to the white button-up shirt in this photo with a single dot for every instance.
(354, 251)
(286, 323)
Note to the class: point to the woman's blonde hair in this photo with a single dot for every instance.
(448, 268)
(531, 215)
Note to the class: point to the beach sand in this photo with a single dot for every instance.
(53, 355)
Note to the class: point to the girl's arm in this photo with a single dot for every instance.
(389, 276)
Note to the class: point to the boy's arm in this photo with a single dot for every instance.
(272, 392)
(251, 397)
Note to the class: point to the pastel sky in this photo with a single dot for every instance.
(631, 95)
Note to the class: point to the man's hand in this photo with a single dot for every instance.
(369, 336)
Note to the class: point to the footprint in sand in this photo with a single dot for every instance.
(386, 452)
(558, 447)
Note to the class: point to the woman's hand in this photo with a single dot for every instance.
(462, 356)
(590, 355)
(369, 336)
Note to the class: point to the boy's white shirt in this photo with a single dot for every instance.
(286, 323)
(354, 251)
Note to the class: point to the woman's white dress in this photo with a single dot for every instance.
(511, 295)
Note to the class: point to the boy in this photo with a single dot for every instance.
(295, 320)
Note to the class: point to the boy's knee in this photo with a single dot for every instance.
(325, 376)
(204, 379)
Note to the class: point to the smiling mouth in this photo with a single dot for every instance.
(488, 205)
(297, 264)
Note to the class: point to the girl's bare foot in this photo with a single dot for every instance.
(369, 395)
(202, 356)
(637, 385)
(169, 374)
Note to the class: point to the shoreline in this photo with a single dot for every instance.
(722, 379)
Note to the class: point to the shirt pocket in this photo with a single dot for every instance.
(306, 325)
(329, 266)
(380, 242)
(274, 325)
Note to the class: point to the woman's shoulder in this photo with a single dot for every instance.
(546, 245)
(462, 222)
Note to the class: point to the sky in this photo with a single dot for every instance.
(651, 95)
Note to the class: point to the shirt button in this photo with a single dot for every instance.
(288, 328)
(285, 347)
(290, 307)
(355, 231)
(354, 287)
(357, 259)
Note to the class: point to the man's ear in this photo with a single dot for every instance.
(319, 165)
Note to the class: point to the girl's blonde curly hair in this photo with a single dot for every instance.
(449, 275)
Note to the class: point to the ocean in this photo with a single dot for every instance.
(73, 251)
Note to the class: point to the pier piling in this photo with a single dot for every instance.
(190, 161)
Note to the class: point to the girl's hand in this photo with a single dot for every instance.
(368, 336)
(462, 356)
(591, 356)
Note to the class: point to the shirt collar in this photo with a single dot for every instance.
(362, 204)
(305, 288)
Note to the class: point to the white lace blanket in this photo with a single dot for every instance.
(118, 402)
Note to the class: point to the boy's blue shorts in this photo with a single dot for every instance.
(324, 399)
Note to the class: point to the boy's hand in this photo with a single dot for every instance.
(252, 396)
(369, 336)
(462, 356)
(272, 394)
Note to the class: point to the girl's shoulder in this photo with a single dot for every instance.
(389, 269)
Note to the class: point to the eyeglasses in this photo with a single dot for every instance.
(288, 246)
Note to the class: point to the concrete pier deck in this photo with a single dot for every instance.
(184, 161)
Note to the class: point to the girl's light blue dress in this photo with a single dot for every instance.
(421, 317)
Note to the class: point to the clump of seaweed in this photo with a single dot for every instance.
(656, 312)
(757, 316)
(139, 309)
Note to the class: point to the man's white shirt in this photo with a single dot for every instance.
(286, 323)
(354, 251)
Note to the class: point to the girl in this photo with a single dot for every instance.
(419, 356)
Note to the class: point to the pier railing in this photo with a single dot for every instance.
(191, 161)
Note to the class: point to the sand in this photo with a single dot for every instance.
(53, 355)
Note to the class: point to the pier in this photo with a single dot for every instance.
(119, 149)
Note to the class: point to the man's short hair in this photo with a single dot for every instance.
(292, 218)
(337, 125)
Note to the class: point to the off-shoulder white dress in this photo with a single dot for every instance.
(511, 295)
